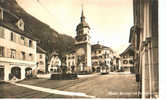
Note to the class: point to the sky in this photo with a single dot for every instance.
(110, 20)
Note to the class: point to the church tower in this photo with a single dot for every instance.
(83, 46)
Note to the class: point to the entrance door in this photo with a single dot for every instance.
(28, 72)
(16, 71)
(1, 73)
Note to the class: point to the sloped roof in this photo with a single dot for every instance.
(54, 53)
(98, 46)
(15, 29)
(83, 23)
(40, 50)
(129, 48)
(9, 22)
(73, 50)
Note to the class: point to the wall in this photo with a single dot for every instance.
(146, 55)
(8, 62)
(41, 60)
(54, 63)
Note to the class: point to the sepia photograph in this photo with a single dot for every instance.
(72, 49)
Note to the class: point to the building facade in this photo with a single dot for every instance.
(55, 63)
(101, 56)
(85, 57)
(127, 60)
(82, 47)
(116, 65)
(144, 39)
(17, 48)
(71, 62)
(41, 60)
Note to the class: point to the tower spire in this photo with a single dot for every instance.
(82, 13)
(82, 7)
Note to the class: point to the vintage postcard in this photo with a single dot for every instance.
(79, 49)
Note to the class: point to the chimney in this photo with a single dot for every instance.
(1, 13)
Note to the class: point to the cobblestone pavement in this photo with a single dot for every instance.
(100, 86)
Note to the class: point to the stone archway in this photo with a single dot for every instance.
(16, 72)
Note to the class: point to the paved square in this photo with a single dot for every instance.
(100, 86)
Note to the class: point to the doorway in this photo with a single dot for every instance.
(28, 72)
(16, 71)
(1, 73)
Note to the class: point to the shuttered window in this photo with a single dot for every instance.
(30, 43)
(13, 53)
(1, 51)
(22, 40)
(2, 32)
(13, 36)
(41, 56)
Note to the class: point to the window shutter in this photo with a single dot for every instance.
(18, 55)
(19, 40)
(8, 52)
(2, 32)
(26, 42)
(15, 37)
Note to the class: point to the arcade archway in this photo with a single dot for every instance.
(16, 72)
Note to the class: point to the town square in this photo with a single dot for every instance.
(78, 60)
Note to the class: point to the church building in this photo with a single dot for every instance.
(82, 47)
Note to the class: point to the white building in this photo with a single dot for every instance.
(116, 65)
(71, 62)
(17, 48)
(41, 60)
(127, 60)
(55, 63)
(101, 56)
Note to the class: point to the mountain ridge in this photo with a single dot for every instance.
(49, 39)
